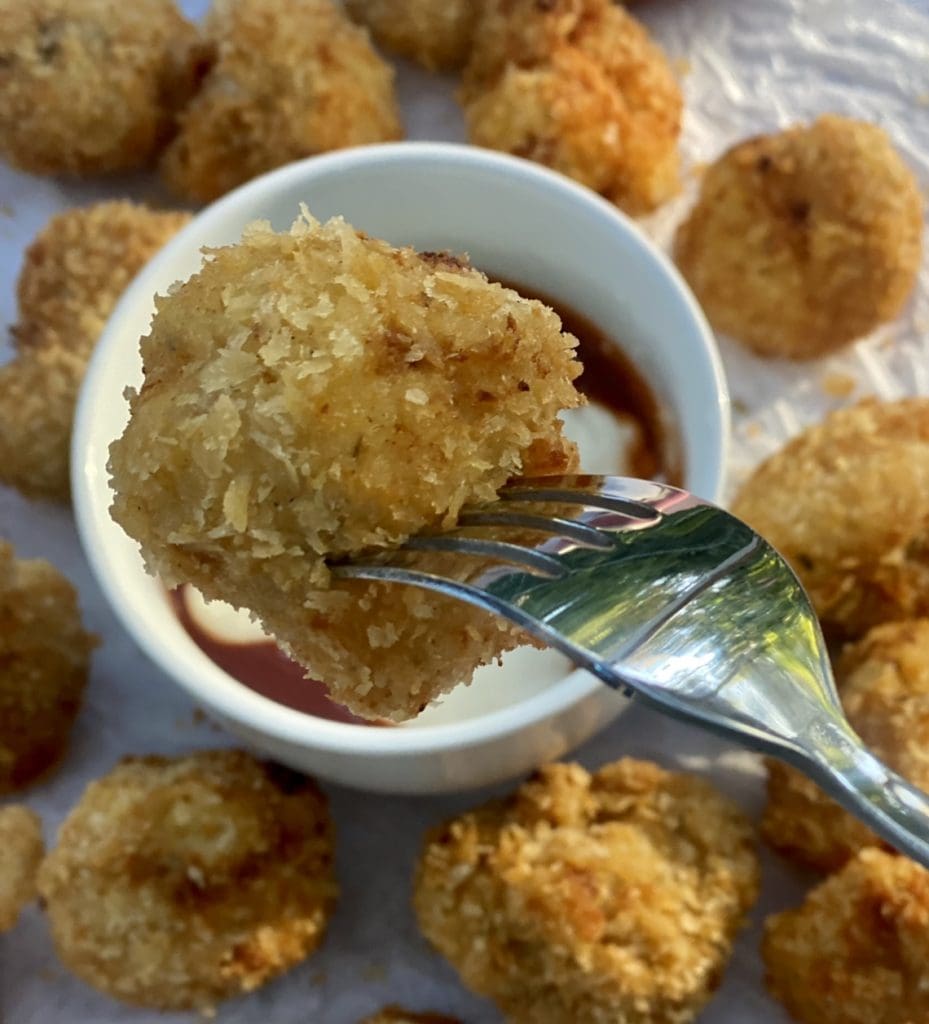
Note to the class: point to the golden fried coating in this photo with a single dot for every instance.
(291, 78)
(856, 951)
(884, 686)
(397, 1015)
(21, 849)
(435, 33)
(44, 654)
(804, 240)
(847, 503)
(73, 274)
(180, 882)
(580, 86)
(608, 899)
(91, 86)
(317, 393)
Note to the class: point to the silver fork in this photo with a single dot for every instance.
(656, 591)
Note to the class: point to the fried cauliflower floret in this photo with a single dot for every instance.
(397, 1015)
(847, 503)
(884, 686)
(291, 78)
(180, 882)
(804, 240)
(316, 394)
(91, 86)
(611, 897)
(44, 655)
(434, 33)
(857, 950)
(580, 86)
(73, 274)
(21, 850)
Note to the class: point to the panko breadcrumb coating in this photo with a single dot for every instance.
(580, 86)
(91, 86)
(397, 1015)
(884, 686)
(857, 950)
(21, 849)
(317, 393)
(73, 274)
(435, 33)
(847, 503)
(291, 78)
(804, 240)
(602, 898)
(44, 655)
(180, 882)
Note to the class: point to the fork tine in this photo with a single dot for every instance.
(573, 529)
(576, 493)
(501, 550)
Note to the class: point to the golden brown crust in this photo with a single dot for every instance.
(846, 503)
(397, 1015)
(21, 849)
(580, 86)
(595, 898)
(180, 882)
(434, 33)
(804, 240)
(290, 78)
(375, 395)
(855, 951)
(91, 86)
(44, 654)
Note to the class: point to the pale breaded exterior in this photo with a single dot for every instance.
(857, 950)
(44, 655)
(884, 686)
(580, 86)
(610, 898)
(434, 33)
(289, 79)
(91, 86)
(847, 503)
(313, 394)
(397, 1015)
(804, 240)
(21, 850)
(177, 883)
(73, 274)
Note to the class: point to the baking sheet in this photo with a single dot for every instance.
(747, 66)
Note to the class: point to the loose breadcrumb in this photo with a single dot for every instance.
(397, 1015)
(847, 503)
(804, 240)
(580, 86)
(273, 432)
(435, 33)
(44, 654)
(180, 882)
(603, 898)
(91, 86)
(857, 950)
(290, 78)
(884, 686)
(21, 849)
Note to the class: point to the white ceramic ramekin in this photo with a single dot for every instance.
(516, 221)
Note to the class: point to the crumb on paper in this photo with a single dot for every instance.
(838, 385)
(6, 210)
(753, 429)
(740, 406)
(683, 66)
(923, 99)
(374, 972)
(699, 169)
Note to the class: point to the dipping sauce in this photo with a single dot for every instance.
(623, 420)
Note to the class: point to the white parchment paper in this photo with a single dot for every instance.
(748, 66)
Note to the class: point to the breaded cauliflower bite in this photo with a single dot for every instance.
(804, 240)
(397, 1015)
(847, 503)
(884, 686)
(73, 274)
(290, 78)
(44, 655)
(602, 898)
(434, 33)
(21, 850)
(857, 950)
(91, 86)
(580, 86)
(316, 394)
(180, 882)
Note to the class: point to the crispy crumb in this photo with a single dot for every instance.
(838, 385)
(437, 35)
(21, 849)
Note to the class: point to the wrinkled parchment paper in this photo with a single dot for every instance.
(747, 66)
